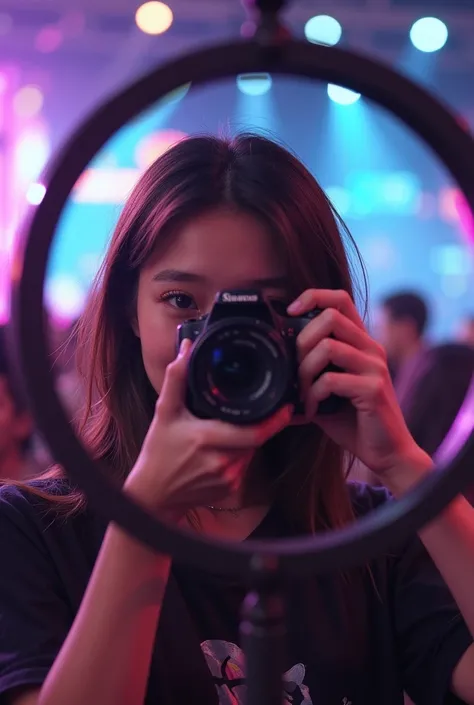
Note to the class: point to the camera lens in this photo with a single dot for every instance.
(239, 371)
(236, 370)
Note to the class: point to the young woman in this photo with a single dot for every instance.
(87, 614)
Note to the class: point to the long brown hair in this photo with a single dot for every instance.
(255, 175)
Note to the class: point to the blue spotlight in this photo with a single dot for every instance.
(323, 29)
(343, 96)
(429, 34)
(254, 83)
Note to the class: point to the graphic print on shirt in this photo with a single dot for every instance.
(226, 662)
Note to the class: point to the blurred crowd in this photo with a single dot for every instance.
(23, 452)
(431, 382)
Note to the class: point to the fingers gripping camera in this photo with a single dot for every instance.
(243, 366)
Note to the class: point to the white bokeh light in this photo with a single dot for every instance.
(254, 84)
(323, 29)
(65, 297)
(429, 34)
(35, 193)
(342, 96)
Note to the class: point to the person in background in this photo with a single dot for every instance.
(16, 425)
(401, 325)
(466, 331)
(438, 387)
(439, 384)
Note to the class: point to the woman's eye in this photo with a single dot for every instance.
(179, 300)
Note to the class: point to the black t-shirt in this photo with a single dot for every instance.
(356, 639)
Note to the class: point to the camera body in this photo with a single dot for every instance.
(243, 365)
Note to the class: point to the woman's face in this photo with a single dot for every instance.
(222, 249)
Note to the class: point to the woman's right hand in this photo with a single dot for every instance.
(186, 462)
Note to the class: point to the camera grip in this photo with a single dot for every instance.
(333, 404)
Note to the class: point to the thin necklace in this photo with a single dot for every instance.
(233, 511)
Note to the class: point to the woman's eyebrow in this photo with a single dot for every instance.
(177, 275)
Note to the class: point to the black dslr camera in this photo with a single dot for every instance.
(243, 366)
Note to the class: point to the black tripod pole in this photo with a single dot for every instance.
(263, 633)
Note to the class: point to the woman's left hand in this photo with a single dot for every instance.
(372, 427)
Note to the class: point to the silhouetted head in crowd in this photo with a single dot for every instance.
(438, 387)
(16, 424)
(401, 326)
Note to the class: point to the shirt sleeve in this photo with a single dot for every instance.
(431, 633)
(34, 615)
